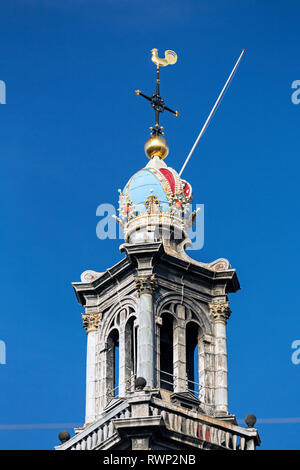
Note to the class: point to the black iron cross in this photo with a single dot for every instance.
(158, 105)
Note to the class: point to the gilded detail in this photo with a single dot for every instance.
(90, 321)
(220, 310)
(145, 284)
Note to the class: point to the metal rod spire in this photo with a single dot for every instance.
(212, 112)
(156, 100)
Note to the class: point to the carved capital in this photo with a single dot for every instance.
(220, 311)
(90, 321)
(145, 284)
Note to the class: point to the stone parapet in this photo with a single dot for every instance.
(173, 424)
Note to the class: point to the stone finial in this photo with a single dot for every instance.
(145, 284)
(220, 310)
(250, 420)
(64, 436)
(140, 383)
(90, 321)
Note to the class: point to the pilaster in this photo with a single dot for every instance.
(220, 312)
(179, 341)
(90, 324)
(145, 286)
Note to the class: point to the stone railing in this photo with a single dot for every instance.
(184, 426)
(211, 432)
(100, 433)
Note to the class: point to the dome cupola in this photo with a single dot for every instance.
(155, 203)
(154, 199)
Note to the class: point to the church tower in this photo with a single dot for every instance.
(156, 370)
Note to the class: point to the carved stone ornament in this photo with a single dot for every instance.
(90, 321)
(89, 276)
(145, 284)
(220, 310)
(220, 264)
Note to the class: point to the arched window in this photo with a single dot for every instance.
(192, 357)
(166, 352)
(130, 352)
(112, 372)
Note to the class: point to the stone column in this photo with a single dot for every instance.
(90, 323)
(220, 312)
(101, 378)
(145, 286)
(206, 359)
(179, 344)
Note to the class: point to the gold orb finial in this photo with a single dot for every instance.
(156, 146)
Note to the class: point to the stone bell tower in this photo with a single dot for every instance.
(156, 374)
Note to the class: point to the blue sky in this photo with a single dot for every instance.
(72, 133)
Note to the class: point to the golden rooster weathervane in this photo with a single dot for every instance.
(170, 58)
(156, 100)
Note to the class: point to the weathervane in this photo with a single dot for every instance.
(156, 100)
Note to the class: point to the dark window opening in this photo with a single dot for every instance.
(113, 364)
(166, 353)
(130, 352)
(192, 361)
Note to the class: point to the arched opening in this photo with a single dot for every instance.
(130, 352)
(166, 353)
(192, 357)
(112, 363)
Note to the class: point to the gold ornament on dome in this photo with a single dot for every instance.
(156, 146)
